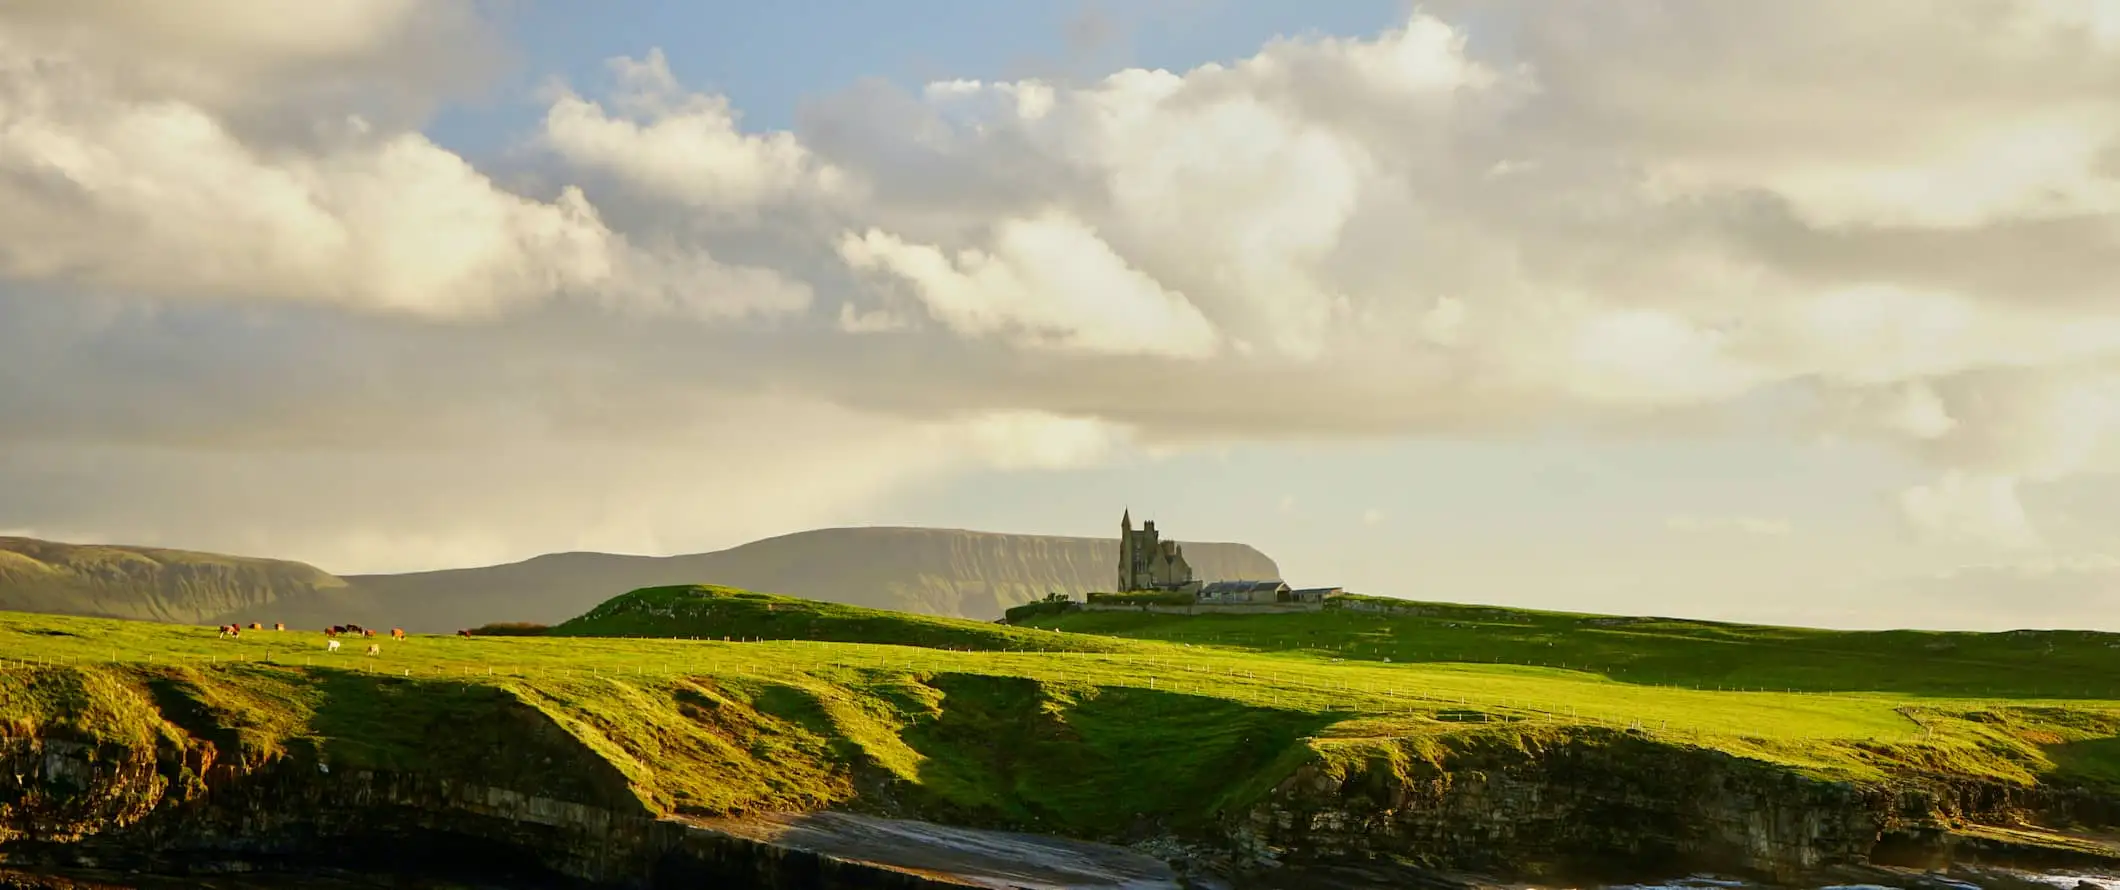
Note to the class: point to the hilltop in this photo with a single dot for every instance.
(943, 572)
(151, 583)
(1287, 737)
(723, 613)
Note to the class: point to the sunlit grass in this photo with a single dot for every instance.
(988, 730)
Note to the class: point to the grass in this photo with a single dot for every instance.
(707, 612)
(1075, 733)
(2083, 665)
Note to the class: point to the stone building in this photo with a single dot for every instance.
(1243, 593)
(1147, 562)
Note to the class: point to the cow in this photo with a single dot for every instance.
(256, 626)
(279, 625)
(353, 628)
(463, 633)
(228, 630)
(367, 632)
(331, 645)
(334, 631)
(397, 633)
(374, 649)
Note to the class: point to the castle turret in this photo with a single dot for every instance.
(1126, 552)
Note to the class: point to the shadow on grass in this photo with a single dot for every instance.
(467, 732)
(2094, 761)
(1094, 762)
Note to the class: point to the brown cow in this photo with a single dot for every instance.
(279, 625)
(397, 633)
(228, 630)
(333, 630)
(256, 626)
(366, 632)
(463, 633)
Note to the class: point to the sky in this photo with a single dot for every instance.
(1801, 312)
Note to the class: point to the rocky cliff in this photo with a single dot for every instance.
(174, 769)
(1598, 803)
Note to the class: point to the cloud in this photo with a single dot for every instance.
(228, 236)
(1373, 516)
(1751, 525)
(251, 63)
(153, 195)
(1050, 283)
(683, 146)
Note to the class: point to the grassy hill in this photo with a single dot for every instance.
(1654, 651)
(150, 583)
(931, 571)
(1101, 739)
(704, 612)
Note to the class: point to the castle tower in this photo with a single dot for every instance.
(1126, 552)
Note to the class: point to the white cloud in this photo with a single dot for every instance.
(1373, 516)
(158, 196)
(684, 146)
(1050, 282)
(1751, 525)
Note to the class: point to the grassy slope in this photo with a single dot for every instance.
(147, 582)
(1079, 742)
(695, 611)
(1656, 651)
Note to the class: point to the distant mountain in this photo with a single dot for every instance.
(962, 574)
(150, 583)
(948, 572)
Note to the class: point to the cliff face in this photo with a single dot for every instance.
(168, 770)
(81, 806)
(149, 583)
(1605, 803)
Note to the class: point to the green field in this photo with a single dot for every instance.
(1656, 651)
(1172, 719)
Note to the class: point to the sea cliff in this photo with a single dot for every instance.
(522, 794)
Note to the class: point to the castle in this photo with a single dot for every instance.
(1146, 562)
(1149, 564)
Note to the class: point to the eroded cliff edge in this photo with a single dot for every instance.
(177, 767)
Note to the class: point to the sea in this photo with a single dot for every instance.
(1999, 879)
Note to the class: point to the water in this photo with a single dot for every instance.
(89, 880)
